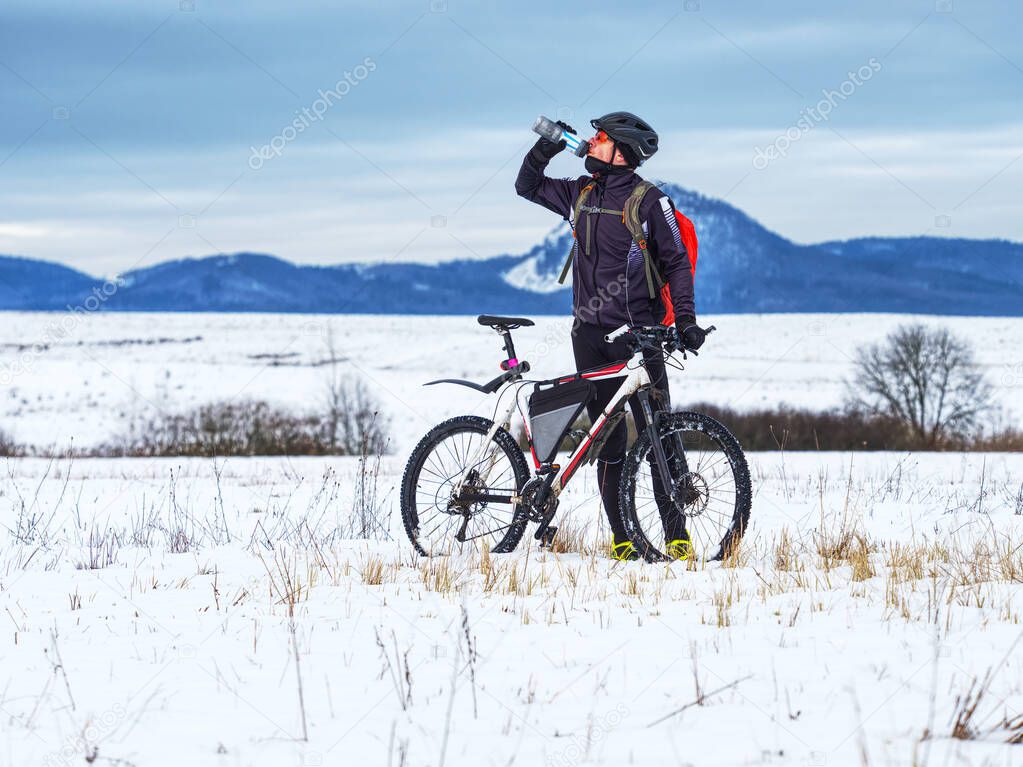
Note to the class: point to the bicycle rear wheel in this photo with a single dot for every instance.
(709, 503)
(434, 517)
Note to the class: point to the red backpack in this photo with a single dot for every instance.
(630, 217)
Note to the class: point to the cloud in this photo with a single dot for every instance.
(15, 231)
(324, 203)
(154, 162)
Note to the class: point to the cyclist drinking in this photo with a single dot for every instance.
(610, 276)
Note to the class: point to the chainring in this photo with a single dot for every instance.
(535, 509)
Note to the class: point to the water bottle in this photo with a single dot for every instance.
(553, 132)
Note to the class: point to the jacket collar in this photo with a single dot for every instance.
(616, 182)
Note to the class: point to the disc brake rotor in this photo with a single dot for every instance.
(693, 494)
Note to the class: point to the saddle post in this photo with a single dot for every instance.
(509, 348)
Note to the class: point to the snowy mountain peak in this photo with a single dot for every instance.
(744, 267)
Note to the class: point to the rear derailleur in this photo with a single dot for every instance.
(458, 505)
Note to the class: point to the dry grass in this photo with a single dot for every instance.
(967, 725)
(490, 571)
(785, 555)
(859, 558)
(441, 575)
(905, 563)
(573, 538)
(910, 580)
(373, 571)
(833, 549)
(1010, 562)
(723, 599)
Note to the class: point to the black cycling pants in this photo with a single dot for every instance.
(592, 351)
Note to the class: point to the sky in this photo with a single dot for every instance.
(325, 132)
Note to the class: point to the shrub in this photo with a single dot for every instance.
(354, 424)
(8, 447)
(244, 428)
(786, 428)
(789, 428)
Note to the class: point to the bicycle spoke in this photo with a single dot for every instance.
(488, 532)
(486, 467)
(709, 518)
(443, 522)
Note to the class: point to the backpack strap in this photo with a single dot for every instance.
(630, 217)
(580, 202)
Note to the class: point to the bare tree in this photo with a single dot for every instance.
(926, 378)
(334, 387)
(355, 425)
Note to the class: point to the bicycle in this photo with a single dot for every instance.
(468, 476)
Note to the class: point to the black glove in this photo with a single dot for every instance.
(691, 334)
(545, 150)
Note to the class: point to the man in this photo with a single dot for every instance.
(609, 276)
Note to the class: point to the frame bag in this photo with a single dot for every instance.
(552, 411)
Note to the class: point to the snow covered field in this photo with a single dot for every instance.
(147, 604)
(88, 377)
(169, 611)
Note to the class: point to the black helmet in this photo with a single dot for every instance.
(636, 139)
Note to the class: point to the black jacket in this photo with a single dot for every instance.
(608, 278)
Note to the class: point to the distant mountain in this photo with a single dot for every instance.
(743, 267)
(28, 284)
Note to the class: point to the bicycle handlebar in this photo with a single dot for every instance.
(664, 337)
(615, 334)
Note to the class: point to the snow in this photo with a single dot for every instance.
(151, 609)
(187, 658)
(526, 275)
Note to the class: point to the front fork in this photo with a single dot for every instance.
(658, 449)
(669, 482)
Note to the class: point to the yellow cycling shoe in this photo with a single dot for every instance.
(680, 549)
(624, 552)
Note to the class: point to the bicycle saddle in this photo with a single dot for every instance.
(509, 323)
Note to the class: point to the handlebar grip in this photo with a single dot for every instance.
(616, 334)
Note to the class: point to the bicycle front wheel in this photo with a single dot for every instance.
(707, 503)
(440, 520)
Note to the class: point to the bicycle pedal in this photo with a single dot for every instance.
(546, 536)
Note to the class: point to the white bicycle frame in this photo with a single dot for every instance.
(636, 379)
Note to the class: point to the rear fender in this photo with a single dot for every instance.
(491, 386)
(458, 382)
